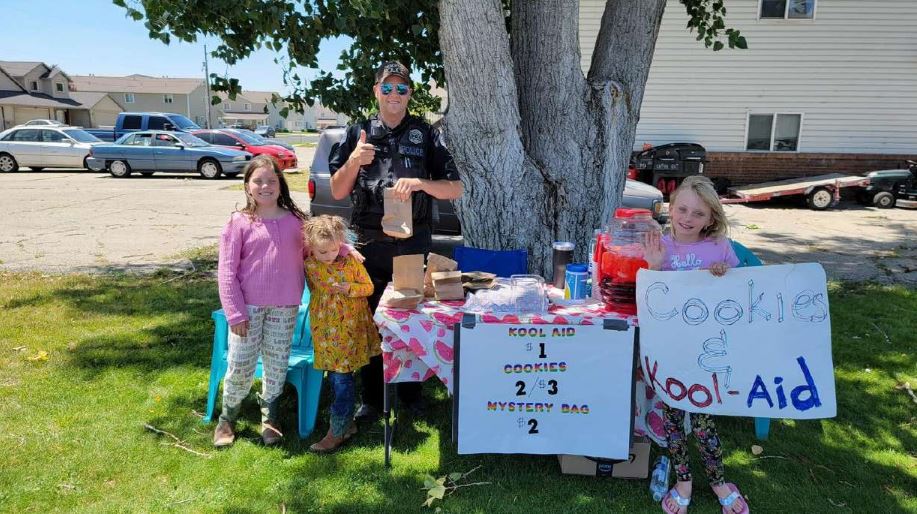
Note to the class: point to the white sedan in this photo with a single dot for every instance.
(45, 147)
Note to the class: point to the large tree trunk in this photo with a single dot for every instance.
(542, 150)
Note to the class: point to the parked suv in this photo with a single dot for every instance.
(636, 194)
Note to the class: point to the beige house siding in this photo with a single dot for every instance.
(102, 114)
(850, 72)
(152, 102)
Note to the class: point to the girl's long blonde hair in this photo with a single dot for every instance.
(703, 188)
(325, 229)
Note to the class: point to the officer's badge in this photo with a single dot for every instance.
(415, 136)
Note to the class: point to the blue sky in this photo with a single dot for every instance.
(94, 36)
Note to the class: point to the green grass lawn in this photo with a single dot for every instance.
(87, 361)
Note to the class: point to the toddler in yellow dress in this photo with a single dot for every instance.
(343, 332)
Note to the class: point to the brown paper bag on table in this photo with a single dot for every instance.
(398, 220)
(435, 263)
(407, 283)
(448, 285)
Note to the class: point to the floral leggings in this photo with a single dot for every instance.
(708, 442)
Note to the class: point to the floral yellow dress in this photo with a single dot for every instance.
(343, 332)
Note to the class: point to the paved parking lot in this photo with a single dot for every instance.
(82, 221)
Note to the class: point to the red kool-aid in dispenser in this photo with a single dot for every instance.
(623, 257)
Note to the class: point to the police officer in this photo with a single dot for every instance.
(391, 149)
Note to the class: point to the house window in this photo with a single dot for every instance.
(128, 98)
(787, 9)
(59, 87)
(34, 86)
(168, 99)
(773, 132)
(247, 107)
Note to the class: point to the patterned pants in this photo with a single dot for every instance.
(270, 334)
(708, 442)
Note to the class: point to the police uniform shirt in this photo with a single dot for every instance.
(410, 150)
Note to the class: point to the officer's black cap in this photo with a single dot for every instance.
(392, 68)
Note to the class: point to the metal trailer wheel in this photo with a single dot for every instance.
(209, 169)
(8, 163)
(884, 200)
(820, 199)
(119, 169)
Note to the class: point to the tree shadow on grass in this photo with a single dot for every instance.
(155, 324)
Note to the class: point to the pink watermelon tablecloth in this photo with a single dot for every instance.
(417, 345)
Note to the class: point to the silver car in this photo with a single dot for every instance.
(636, 194)
(42, 147)
(43, 123)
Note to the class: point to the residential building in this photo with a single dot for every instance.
(824, 86)
(247, 110)
(33, 90)
(187, 96)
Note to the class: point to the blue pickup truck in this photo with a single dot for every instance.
(128, 122)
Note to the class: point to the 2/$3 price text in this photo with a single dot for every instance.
(550, 386)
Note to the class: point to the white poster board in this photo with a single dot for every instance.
(754, 342)
(544, 389)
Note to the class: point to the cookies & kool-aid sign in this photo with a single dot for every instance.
(754, 342)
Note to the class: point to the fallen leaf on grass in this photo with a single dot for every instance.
(756, 450)
(71, 346)
(752, 226)
(19, 348)
(838, 505)
(41, 356)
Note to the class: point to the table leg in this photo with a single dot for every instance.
(387, 400)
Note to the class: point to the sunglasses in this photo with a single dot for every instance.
(387, 88)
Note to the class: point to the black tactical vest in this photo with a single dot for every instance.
(400, 153)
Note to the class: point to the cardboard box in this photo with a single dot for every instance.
(637, 466)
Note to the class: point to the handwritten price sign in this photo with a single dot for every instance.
(544, 389)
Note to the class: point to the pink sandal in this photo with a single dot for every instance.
(729, 500)
(681, 501)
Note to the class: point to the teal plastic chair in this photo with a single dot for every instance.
(300, 373)
(747, 258)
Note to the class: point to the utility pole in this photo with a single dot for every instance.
(207, 82)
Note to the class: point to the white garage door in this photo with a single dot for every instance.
(24, 114)
(102, 117)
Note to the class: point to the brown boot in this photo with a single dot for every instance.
(330, 443)
(270, 432)
(224, 435)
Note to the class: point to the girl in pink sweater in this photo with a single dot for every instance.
(261, 282)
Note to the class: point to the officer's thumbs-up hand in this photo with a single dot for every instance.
(364, 153)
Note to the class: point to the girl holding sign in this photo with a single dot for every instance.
(695, 239)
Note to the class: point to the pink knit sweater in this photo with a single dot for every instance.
(261, 263)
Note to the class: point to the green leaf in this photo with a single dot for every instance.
(429, 482)
(455, 477)
(741, 43)
(214, 100)
(717, 46)
(437, 492)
